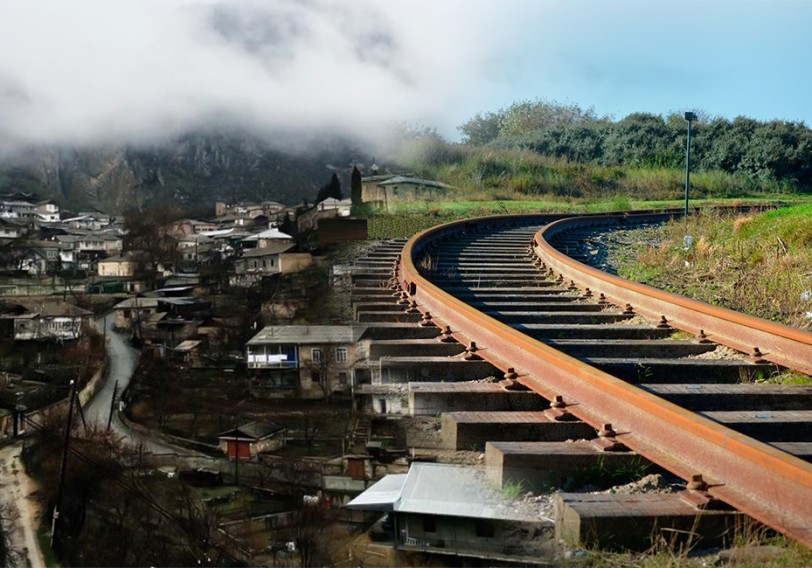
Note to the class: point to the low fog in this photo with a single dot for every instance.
(91, 72)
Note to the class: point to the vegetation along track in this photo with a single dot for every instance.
(574, 334)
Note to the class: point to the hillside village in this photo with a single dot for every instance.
(263, 340)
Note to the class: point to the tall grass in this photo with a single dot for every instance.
(489, 172)
(757, 264)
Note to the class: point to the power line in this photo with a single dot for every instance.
(202, 544)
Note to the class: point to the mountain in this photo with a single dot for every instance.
(193, 171)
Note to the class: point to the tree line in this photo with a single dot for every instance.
(762, 150)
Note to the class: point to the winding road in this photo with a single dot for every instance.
(19, 509)
(122, 360)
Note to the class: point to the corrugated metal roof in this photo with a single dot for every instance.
(444, 490)
(255, 430)
(381, 496)
(308, 334)
(269, 234)
(140, 303)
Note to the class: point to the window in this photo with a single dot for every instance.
(341, 355)
(342, 379)
(484, 529)
(429, 524)
(315, 355)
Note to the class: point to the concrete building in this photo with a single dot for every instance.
(43, 321)
(455, 510)
(384, 192)
(315, 360)
(124, 266)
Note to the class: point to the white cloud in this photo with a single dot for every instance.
(93, 71)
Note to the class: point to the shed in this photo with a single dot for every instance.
(248, 440)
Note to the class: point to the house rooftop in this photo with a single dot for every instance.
(53, 308)
(414, 181)
(139, 303)
(269, 234)
(255, 430)
(267, 251)
(446, 490)
(308, 334)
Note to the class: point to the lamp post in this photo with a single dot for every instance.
(689, 116)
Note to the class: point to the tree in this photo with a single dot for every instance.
(332, 189)
(150, 233)
(640, 139)
(481, 128)
(355, 186)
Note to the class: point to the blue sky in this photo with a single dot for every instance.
(725, 57)
(99, 71)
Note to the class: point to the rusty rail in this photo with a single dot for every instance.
(770, 485)
(786, 346)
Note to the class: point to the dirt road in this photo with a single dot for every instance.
(19, 510)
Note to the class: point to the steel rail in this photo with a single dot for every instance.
(770, 485)
(784, 345)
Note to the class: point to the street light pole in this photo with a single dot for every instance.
(689, 116)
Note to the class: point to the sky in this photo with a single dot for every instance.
(88, 72)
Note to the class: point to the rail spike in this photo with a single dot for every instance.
(471, 353)
(446, 335)
(558, 411)
(607, 440)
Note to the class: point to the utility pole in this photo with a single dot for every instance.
(236, 453)
(112, 405)
(689, 116)
(56, 535)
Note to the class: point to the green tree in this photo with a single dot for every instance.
(481, 128)
(332, 189)
(355, 186)
(640, 139)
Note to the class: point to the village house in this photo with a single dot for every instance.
(47, 320)
(92, 221)
(330, 208)
(89, 248)
(47, 211)
(41, 258)
(384, 192)
(18, 209)
(120, 266)
(455, 510)
(10, 228)
(246, 441)
(312, 360)
(258, 263)
(187, 227)
(267, 208)
(133, 311)
(269, 238)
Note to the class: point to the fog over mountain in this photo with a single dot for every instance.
(89, 72)
(115, 103)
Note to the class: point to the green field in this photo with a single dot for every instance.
(409, 218)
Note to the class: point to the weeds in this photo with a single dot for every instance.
(512, 489)
(734, 263)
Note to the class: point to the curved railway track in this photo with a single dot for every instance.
(575, 335)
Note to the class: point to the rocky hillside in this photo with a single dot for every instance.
(194, 172)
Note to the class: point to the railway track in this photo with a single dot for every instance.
(604, 350)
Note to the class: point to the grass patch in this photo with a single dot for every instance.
(759, 264)
(681, 336)
(787, 377)
(406, 219)
(512, 489)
